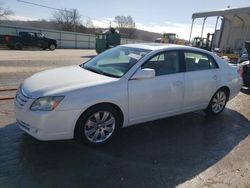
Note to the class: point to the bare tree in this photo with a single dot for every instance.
(125, 22)
(4, 12)
(89, 23)
(126, 26)
(69, 19)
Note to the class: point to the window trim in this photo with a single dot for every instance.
(201, 53)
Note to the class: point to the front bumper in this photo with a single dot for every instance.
(49, 125)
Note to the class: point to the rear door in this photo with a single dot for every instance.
(201, 79)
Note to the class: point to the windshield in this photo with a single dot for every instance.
(116, 61)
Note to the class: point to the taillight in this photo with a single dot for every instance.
(6, 38)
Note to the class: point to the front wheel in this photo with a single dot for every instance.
(98, 125)
(217, 103)
(52, 46)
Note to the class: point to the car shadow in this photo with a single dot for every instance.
(245, 90)
(162, 153)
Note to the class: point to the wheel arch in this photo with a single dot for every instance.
(116, 107)
(226, 88)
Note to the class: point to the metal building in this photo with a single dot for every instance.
(234, 29)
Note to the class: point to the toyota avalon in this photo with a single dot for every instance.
(123, 86)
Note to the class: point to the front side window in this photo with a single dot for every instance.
(197, 61)
(116, 61)
(31, 35)
(164, 63)
(39, 35)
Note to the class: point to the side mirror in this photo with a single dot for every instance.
(141, 74)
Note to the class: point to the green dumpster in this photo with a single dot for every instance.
(107, 39)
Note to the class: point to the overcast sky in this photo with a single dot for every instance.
(152, 15)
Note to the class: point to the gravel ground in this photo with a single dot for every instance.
(189, 150)
(18, 65)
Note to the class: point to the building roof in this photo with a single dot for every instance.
(223, 12)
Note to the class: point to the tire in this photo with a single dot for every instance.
(52, 47)
(18, 46)
(217, 103)
(98, 125)
(10, 47)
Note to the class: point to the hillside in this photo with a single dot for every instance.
(126, 33)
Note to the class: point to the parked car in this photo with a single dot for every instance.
(123, 86)
(244, 56)
(28, 39)
(245, 66)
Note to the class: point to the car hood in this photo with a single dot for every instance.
(60, 80)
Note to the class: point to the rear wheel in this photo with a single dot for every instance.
(18, 46)
(217, 103)
(10, 47)
(98, 125)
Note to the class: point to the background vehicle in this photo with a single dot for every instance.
(244, 56)
(28, 39)
(203, 43)
(244, 62)
(170, 38)
(123, 86)
(206, 44)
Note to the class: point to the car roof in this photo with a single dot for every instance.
(161, 46)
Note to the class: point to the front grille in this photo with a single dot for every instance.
(21, 98)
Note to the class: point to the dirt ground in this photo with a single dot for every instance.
(189, 150)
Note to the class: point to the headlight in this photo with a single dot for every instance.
(46, 103)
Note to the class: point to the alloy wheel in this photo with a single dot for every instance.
(219, 101)
(99, 126)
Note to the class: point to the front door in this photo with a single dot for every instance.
(160, 96)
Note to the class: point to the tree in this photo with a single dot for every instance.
(89, 23)
(126, 26)
(69, 19)
(4, 12)
(125, 22)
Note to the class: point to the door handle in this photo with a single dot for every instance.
(215, 77)
(178, 83)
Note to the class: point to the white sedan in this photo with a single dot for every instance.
(123, 86)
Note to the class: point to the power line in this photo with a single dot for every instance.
(58, 9)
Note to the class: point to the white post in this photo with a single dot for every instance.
(216, 23)
(191, 30)
(204, 20)
(215, 31)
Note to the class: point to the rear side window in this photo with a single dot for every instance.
(198, 61)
